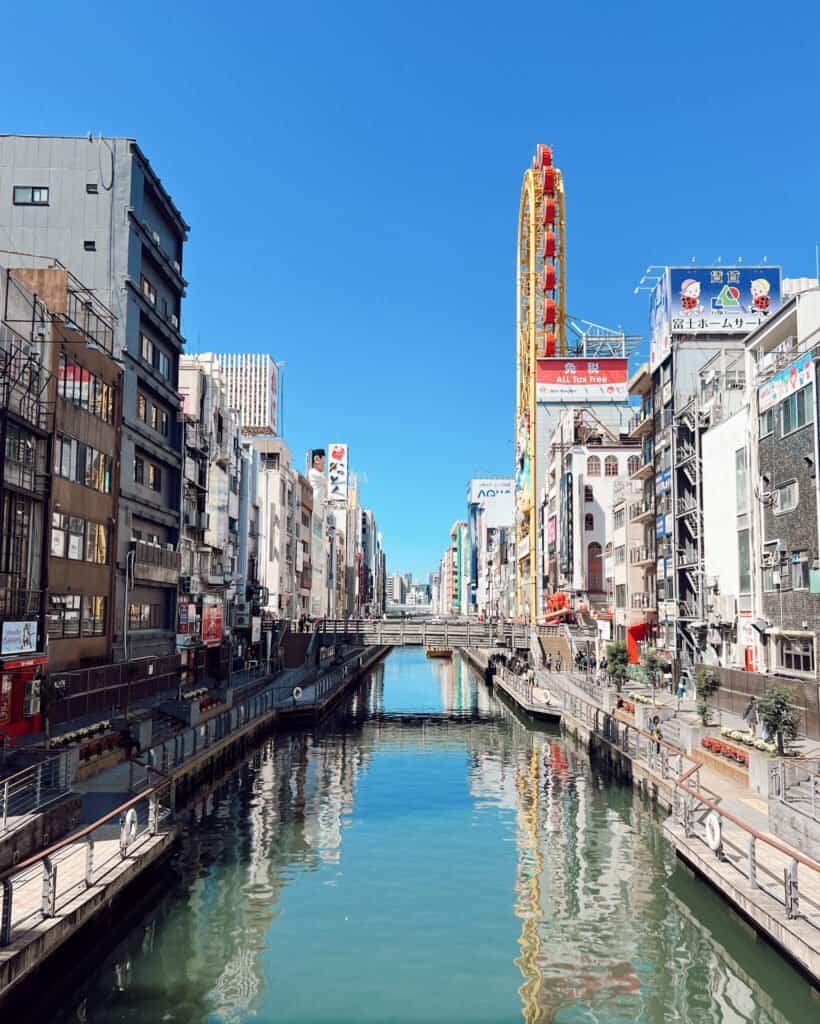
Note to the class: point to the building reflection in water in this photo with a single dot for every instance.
(609, 928)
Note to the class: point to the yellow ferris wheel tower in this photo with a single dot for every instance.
(541, 332)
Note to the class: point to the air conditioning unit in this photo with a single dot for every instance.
(768, 559)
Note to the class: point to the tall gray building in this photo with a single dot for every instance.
(97, 206)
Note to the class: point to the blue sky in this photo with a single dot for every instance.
(351, 173)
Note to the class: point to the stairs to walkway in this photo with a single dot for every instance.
(295, 646)
(556, 647)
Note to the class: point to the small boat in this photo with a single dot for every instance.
(438, 652)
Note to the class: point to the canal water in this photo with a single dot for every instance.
(426, 856)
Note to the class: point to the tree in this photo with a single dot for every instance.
(617, 663)
(652, 667)
(707, 683)
(779, 714)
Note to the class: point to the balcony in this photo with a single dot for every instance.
(643, 601)
(641, 425)
(646, 469)
(156, 564)
(641, 555)
(16, 603)
(641, 511)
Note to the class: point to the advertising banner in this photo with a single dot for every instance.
(552, 532)
(663, 481)
(660, 333)
(337, 473)
(722, 300)
(565, 513)
(794, 377)
(211, 622)
(581, 380)
(495, 497)
(19, 637)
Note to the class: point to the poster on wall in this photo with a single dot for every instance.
(581, 380)
(797, 375)
(722, 300)
(212, 622)
(19, 637)
(337, 472)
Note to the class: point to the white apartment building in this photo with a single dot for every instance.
(252, 383)
(277, 524)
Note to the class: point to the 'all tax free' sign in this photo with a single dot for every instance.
(581, 380)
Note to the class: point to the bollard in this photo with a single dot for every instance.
(49, 903)
(752, 863)
(5, 916)
(89, 862)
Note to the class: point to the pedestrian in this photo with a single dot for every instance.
(558, 663)
(549, 663)
(751, 716)
(681, 687)
(655, 733)
(667, 680)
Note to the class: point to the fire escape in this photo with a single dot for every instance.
(689, 423)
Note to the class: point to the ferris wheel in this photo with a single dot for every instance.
(541, 332)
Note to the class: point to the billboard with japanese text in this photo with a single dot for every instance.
(581, 380)
(337, 473)
(794, 377)
(722, 300)
(494, 496)
(212, 617)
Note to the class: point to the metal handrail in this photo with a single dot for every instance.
(32, 788)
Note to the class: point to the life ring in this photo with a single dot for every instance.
(713, 837)
(129, 828)
(544, 696)
(297, 693)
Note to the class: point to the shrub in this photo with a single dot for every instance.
(707, 683)
(780, 714)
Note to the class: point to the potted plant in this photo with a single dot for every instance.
(780, 715)
(617, 663)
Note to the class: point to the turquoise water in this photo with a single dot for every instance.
(426, 856)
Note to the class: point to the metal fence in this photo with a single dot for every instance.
(796, 782)
(31, 789)
(43, 885)
(762, 861)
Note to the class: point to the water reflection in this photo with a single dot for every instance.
(425, 856)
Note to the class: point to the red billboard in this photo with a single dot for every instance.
(581, 380)
(212, 624)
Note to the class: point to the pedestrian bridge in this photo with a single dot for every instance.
(409, 633)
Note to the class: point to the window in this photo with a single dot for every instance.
(96, 543)
(589, 521)
(588, 496)
(90, 245)
(82, 464)
(163, 365)
(63, 619)
(163, 424)
(144, 616)
(154, 477)
(142, 408)
(610, 466)
(154, 418)
(619, 519)
(139, 470)
(30, 195)
(59, 526)
(148, 290)
(91, 188)
(147, 349)
(633, 464)
(620, 595)
(768, 580)
(785, 498)
(76, 539)
(741, 483)
(797, 410)
(593, 466)
(766, 422)
(620, 554)
(92, 622)
(796, 654)
(82, 388)
(744, 561)
(800, 570)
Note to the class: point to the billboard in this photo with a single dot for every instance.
(494, 496)
(794, 377)
(581, 380)
(19, 637)
(565, 526)
(211, 622)
(721, 300)
(660, 332)
(337, 473)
